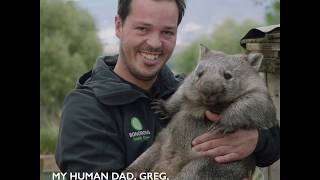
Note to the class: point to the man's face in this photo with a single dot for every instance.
(147, 37)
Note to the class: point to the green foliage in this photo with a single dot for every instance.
(48, 138)
(186, 59)
(68, 47)
(226, 38)
(273, 13)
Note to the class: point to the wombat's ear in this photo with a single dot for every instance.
(203, 51)
(255, 60)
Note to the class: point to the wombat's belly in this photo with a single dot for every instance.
(183, 132)
(207, 169)
(179, 161)
(176, 146)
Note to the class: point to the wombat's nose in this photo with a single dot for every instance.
(211, 88)
(212, 99)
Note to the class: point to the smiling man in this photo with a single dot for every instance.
(147, 39)
(107, 121)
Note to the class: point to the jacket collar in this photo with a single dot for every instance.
(110, 89)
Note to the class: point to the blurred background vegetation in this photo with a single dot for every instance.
(226, 37)
(69, 45)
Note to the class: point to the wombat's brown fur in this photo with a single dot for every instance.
(222, 83)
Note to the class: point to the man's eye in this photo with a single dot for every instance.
(168, 33)
(142, 29)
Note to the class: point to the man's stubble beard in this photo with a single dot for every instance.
(139, 76)
(135, 73)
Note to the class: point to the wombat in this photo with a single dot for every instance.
(226, 84)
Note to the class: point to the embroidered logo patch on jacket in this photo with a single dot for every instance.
(139, 134)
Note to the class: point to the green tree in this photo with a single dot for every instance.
(226, 38)
(273, 13)
(69, 46)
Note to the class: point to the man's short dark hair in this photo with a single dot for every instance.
(124, 9)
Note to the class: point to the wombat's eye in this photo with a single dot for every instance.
(227, 75)
(200, 73)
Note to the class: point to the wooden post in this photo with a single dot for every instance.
(273, 83)
(265, 170)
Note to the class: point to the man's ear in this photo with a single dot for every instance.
(118, 26)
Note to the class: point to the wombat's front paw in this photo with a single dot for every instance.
(158, 106)
(221, 128)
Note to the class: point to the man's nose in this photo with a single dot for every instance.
(154, 41)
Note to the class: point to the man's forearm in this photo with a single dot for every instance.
(268, 148)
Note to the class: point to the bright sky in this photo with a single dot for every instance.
(201, 16)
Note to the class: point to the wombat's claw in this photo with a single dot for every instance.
(219, 128)
(157, 102)
(224, 130)
(161, 113)
(164, 117)
(156, 111)
(158, 107)
(212, 127)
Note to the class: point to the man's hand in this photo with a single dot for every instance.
(228, 147)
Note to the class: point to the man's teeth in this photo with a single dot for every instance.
(150, 56)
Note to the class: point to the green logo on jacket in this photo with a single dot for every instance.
(138, 134)
(136, 124)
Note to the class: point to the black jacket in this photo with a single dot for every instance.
(107, 122)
